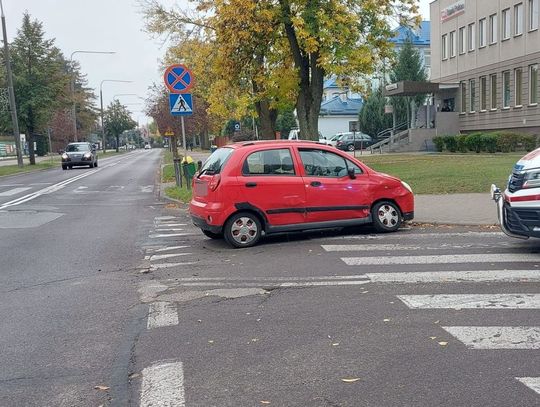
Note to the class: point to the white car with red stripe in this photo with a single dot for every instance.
(518, 207)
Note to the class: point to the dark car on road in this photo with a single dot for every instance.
(79, 154)
(353, 141)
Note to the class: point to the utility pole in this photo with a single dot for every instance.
(11, 92)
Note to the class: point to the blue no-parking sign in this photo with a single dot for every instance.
(178, 78)
(181, 104)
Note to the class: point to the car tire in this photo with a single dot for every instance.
(70, 167)
(350, 147)
(212, 235)
(91, 165)
(243, 229)
(95, 164)
(386, 217)
(64, 167)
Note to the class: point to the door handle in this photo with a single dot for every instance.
(251, 184)
(315, 184)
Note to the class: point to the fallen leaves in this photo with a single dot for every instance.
(350, 379)
(443, 343)
(101, 387)
(265, 402)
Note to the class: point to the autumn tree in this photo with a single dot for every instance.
(313, 37)
(117, 119)
(40, 81)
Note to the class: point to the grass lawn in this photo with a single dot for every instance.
(446, 173)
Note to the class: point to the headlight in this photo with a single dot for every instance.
(87, 155)
(64, 156)
(532, 179)
(406, 186)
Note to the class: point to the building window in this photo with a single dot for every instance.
(533, 15)
(506, 89)
(533, 84)
(493, 28)
(471, 36)
(463, 87)
(518, 19)
(444, 46)
(461, 40)
(483, 93)
(452, 44)
(472, 95)
(506, 24)
(493, 91)
(427, 59)
(482, 33)
(518, 80)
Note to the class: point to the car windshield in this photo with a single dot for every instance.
(216, 161)
(77, 147)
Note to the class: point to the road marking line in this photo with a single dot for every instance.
(156, 236)
(162, 314)
(442, 259)
(497, 337)
(165, 217)
(310, 278)
(532, 383)
(164, 256)
(157, 249)
(323, 283)
(14, 191)
(169, 265)
(158, 229)
(47, 190)
(394, 247)
(146, 188)
(163, 385)
(273, 284)
(159, 224)
(472, 301)
(456, 276)
(399, 235)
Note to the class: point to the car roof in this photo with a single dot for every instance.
(277, 143)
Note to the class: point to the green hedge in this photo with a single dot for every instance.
(493, 142)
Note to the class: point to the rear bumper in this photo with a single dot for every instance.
(203, 225)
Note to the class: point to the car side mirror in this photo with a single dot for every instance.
(351, 173)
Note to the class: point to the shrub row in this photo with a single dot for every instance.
(486, 142)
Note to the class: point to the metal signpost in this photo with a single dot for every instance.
(179, 79)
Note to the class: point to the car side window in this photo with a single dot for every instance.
(269, 162)
(322, 163)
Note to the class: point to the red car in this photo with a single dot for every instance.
(250, 189)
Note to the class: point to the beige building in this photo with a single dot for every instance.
(490, 49)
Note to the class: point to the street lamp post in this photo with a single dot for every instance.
(73, 107)
(11, 92)
(101, 104)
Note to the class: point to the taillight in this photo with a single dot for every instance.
(214, 182)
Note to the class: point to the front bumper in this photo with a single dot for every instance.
(522, 222)
(408, 215)
(203, 225)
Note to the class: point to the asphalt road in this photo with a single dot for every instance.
(69, 245)
(423, 317)
(105, 285)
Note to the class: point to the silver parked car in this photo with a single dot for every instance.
(78, 154)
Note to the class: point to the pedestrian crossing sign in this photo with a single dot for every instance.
(181, 104)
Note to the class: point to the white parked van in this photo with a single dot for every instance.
(294, 134)
(518, 207)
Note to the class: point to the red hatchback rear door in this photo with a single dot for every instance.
(330, 192)
(270, 181)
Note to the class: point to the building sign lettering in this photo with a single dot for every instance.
(453, 10)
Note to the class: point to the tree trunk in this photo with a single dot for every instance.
(308, 104)
(267, 118)
(117, 142)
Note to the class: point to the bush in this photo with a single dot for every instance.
(451, 143)
(508, 142)
(529, 142)
(490, 142)
(439, 143)
(475, 142)
(461, 143)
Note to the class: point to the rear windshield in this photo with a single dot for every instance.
(216, 161)
(77, 147)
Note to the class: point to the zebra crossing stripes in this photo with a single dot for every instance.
(507, 276)
(162, 314)
(531, 382)
(496, 337)
(473, 301)
(443, 259)
(14, 191)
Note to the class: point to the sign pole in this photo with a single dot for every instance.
(184, 136)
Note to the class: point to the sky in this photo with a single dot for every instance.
(106, 25)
